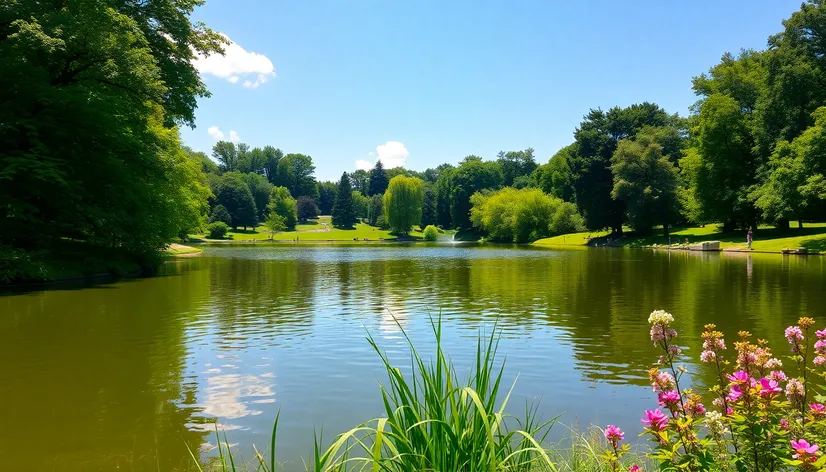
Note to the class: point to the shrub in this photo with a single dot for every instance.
(282, 203)
(220, 213)
(431, 233)
(217, 230)
(522, 215)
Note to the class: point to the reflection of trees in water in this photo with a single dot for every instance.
(255, 300)
(96, 377)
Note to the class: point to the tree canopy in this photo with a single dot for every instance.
(403, 203)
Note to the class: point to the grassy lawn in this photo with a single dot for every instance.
(767, 238)
(571, 239)
(318, 230)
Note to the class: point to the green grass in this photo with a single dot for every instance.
(175, 249)
(571, 239)
(434, 421)
(766, 239)
(317, 230)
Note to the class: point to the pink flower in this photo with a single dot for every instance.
(740, 377)
(614, 435)
(819, 361)
(793, 334)
(696, 409)
(708, 356)
(803, 449)
(821, 334)
(794, 391)
(784, 424)
(778, 375)
(669, 399)
(820, 344)
(734, 393)
(768, 387)
(634, 468)
(656, 420)
(773, 364)
(663, 381)
(729, 411)
(817, 409)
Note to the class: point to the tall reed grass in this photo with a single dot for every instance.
(434, 422)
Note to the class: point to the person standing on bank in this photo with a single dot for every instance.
(750, 239)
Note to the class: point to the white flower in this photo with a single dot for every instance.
(660, 317)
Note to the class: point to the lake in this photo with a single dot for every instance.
(129, 374)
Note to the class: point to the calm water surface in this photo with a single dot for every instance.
(128, 375)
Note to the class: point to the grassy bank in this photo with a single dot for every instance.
(176, 249)
(766, 239)
(320, 230)
(432, 420)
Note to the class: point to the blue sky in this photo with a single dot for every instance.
(425, 82)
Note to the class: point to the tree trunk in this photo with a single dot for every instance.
(783, 224)
(617, 230)
(665, 229)
(800, 224)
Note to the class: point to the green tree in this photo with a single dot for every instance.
(515, 164)
(472, 175)
(235, 195)
(208, 166)
(253, 160)
(360, 180)
(522, 215)
(275, 223)
(646, 181)
(795, 185)
(90, 153)
(444, 187)
(273, 157)
(375, 209)
(725, 167)
(403, 203)
(378, 179)
(326, 197)
(284, 205)
(260, 189)
(556, 177)
(220, 213)
(429, 205)
(361, 204)
(596, 140)
(343, 214)
(306, 208)
(295, 171)
(226, 154)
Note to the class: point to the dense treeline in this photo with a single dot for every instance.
(92, 169)
(92, 173)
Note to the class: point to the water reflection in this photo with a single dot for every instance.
(140, 369)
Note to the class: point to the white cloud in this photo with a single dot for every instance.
(391, 154)
(233, 136)
(237, 63)
(216, 133)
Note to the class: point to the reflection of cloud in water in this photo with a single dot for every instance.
(229, 395)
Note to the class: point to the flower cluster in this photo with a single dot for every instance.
(758, 412)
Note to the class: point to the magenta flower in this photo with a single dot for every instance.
(741, 377)
(614, 435)
(734, 393)
(803, 449)
(634, 468)
(729, 411)
(669, 399)
(768, 387)
(821, 334)
(817, 409)
(793, 334)
(656, 420)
